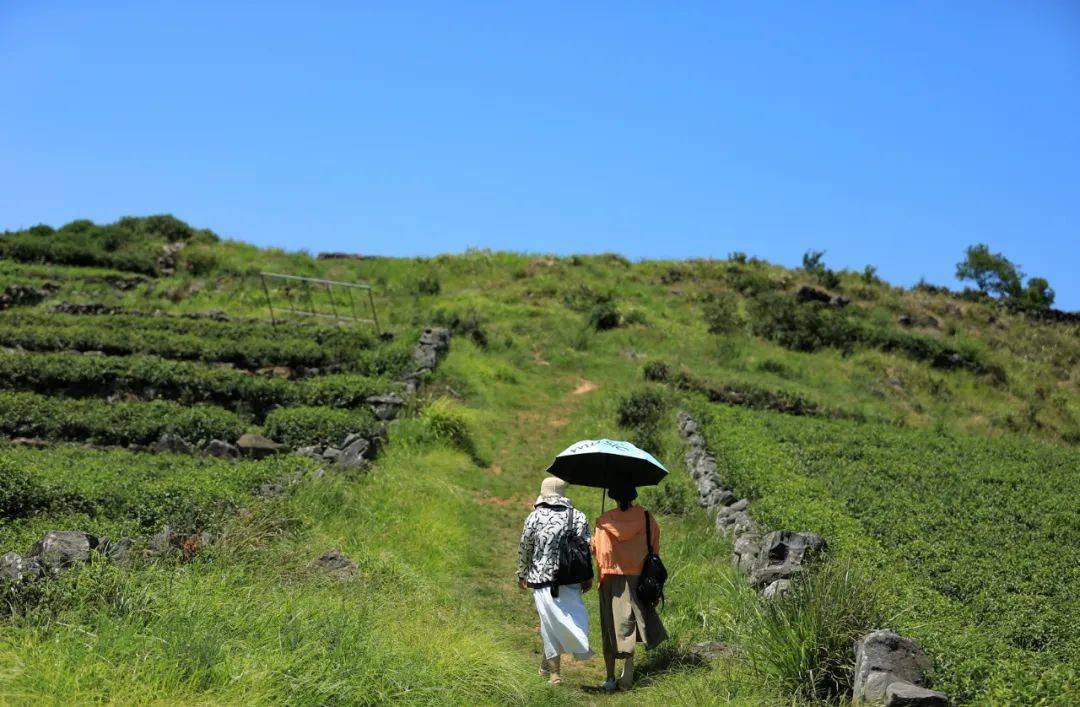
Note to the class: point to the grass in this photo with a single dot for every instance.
(897, 454)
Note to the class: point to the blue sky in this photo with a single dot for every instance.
(881, 132)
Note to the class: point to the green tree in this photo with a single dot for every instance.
(1038, 294)
(993, 273)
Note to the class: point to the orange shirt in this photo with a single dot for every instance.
(619, 541)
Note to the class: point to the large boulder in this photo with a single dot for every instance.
(63, 548)
(782, 555)
(257, 446)
(883, 658)
(745, 551)
(118, 550)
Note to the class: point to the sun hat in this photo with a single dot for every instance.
(551, 489)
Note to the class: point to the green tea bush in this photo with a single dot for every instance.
(306, 425)
(604, 316)
(642, 412)
(669, 498)
(961, 534)
(131, 244)
(101, 422)
(152, 377)
(248, 345)
(20, 493)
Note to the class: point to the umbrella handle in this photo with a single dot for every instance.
(603, 497)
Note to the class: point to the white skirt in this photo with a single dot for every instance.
(564, 622)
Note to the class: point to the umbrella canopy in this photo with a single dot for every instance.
(607, 463)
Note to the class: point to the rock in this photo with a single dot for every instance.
(269, 489)
(883, 658)
(779, 588)
(312, 452)
(740, 505)
(782, 555)
(172, 443)
(354, 455)
(93, 308)
(16, 569)
(30, 442)
(810, 294)
(24, 295)
(904, 694)
(331, 454)
(745, 551)
(116, 550)
(386, 407)
(163, 542)
(63, 548)
(434, 342)
(257, 446)
(276, 372)
(337, 563)
(707, 651)
(839, 301)
(222, 449)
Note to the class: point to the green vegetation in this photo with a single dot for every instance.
(101, 422)
(996, 275)
(929, 436)
(133, 244)
(299, 426)
(187, 382)
(923, 514)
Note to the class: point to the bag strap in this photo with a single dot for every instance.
(648, 533)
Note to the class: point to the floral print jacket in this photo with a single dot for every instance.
(538, 551)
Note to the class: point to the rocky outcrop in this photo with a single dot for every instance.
(892, 670)
(56, 551)
(433, 345)
(25, 295)
(783, 554)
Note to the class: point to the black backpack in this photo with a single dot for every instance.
(575, 559)
(650, 588)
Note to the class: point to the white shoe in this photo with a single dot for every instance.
(610, 686)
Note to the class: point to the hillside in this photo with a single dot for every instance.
(930, 437)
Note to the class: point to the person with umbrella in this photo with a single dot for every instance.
(554, 525)
(624, 537)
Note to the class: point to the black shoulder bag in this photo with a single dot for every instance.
(575, 560)
(650, 588)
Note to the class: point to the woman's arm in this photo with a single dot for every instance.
(525, 547)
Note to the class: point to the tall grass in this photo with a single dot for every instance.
(804, 640)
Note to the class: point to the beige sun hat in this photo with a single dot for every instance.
(550, 487)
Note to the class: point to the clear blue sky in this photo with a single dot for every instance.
(891, 133)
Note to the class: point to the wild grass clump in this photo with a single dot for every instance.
(448, 423)
(721, 311)
(805, 640)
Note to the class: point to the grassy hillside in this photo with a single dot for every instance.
(931, 438)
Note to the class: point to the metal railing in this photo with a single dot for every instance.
(297, 288)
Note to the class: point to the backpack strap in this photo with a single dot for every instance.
(648, 533)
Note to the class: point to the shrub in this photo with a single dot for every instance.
(583, 298)
(801, 327)
(307, 425)
(812, 261)
(869, 275)
(656, 371)
(642, 408)
(721, 312)
(428, 285)
(604, 316)
(737, 257)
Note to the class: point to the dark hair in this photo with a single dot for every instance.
(623, 495)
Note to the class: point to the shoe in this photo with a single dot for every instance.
(556, 679)
(610, 686)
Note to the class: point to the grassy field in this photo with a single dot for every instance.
(938, 458)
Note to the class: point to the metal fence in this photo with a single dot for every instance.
(314, 297)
